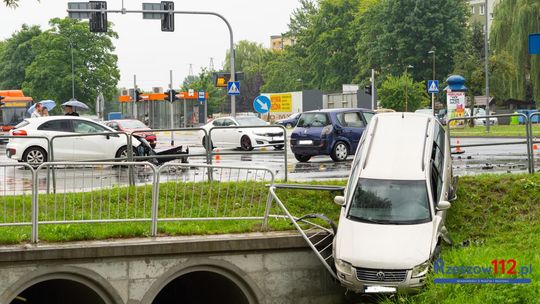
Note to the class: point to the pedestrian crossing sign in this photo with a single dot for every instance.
(233, 88)
(433, 86)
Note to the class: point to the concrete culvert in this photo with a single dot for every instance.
(58, 291)
(201, 287)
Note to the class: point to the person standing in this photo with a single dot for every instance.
(44, 112)
(68, 110)
(37, 111)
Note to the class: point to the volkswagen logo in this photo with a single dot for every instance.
(380, 276)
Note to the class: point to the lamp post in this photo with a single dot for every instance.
(406, 86)
(72, 73)
(433, 94)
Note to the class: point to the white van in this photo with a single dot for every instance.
(392, 221)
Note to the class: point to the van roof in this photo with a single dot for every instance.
(397, 146)
(338, 110)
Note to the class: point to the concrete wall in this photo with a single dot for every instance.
(268, 268)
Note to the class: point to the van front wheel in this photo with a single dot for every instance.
(339, 152)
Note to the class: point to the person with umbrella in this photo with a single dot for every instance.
(37, 110)
(68, 111)
(71, 105)
(43, 106)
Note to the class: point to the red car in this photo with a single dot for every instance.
(131, 125)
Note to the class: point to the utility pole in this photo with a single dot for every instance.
(171, 102)
(433, 94)
(486, 60)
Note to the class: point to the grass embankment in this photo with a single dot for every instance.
(495, 217)
(495, 131)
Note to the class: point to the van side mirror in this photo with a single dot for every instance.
(443, 205)
(339, 200)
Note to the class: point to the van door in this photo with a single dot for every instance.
(353, 126)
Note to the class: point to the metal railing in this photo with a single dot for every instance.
(101, 192)
(532, 139)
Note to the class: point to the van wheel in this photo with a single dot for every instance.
(339, 152)
(35, 156)
(302, 158)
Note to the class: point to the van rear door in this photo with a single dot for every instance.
(353, 126)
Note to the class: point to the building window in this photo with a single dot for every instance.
(472, 8)
(482, 9)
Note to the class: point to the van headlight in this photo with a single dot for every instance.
(421, 270)
(344, 267)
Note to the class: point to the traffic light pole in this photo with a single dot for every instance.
(171, 105)
(231, 37)
(134, 103)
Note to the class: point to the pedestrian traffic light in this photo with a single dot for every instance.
(138, 95)
(170, 95)
(167, 19)
(98, 20)
(367, 89)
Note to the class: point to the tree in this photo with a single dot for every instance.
(17, 55)
(394, 34)
(205, 81)
(513, 21)
(49, 74)
(402, 93)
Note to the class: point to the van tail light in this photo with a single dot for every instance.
(19, 133)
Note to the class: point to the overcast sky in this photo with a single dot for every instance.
(145, 51)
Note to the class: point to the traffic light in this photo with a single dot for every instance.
(167, 19)
(98, 20)
(170, 95)
(138, 95)
(367, 89)
(221, 79)
(1, 102)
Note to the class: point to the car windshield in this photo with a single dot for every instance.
(390, 202)
(13, 115)
(313, 120)
(132, 124)
(250, 121)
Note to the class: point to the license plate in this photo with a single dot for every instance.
(305, 142)
(379, 289)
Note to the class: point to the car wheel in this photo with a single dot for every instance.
(245, 143)
(302, 158)
(279, 147)
(123, 152)
(35, 156)
(204, 143)
(289, 125)
(339, 152)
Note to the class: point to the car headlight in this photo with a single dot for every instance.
(344, 267)
(260, 134)
(421, 270)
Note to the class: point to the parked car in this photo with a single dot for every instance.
(392, 221)
(334, 132)
(244, 138)
(35, 151)
(481, 121)
(289, 122)
(132, 125)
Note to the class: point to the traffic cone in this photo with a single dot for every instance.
(218, 157)
(458, 148)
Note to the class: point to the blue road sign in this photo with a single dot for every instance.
(233, 88)
(433, 86)
(534, 44)
(262, 104)
(201, 96)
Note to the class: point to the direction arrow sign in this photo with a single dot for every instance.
(262, 104)
(233, 88)
(433, 86)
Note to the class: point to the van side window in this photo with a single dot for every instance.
(351, 119)
(437, 167)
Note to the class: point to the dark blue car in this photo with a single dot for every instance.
(290, 121)
(334, 132)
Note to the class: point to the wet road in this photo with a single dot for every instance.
(473, 160)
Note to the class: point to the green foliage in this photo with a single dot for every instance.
(95, 66)
(205, 81)
(403, 94)
(394, 34)
(513, 21)
(18, 53)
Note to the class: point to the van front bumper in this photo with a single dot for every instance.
(383, 285)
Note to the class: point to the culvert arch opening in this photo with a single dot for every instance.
(202, 287)
(59, 291)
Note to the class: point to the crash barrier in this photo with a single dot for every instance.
(101, 193)
(534, 142)
(526, 140)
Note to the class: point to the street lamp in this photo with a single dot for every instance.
(433, 94)
(406, 86)
(72, 73)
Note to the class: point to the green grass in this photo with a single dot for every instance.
(497, 131)
(497, 216)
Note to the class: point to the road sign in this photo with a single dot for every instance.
(201, 96)
(262, 104)
(233, 88)
(433, 86)
(534, 44)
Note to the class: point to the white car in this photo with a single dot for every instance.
(392, 220)
(245, 138)
(481, 121)
(77, 148)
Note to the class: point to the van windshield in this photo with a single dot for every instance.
(390, 202)
(312, 120)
